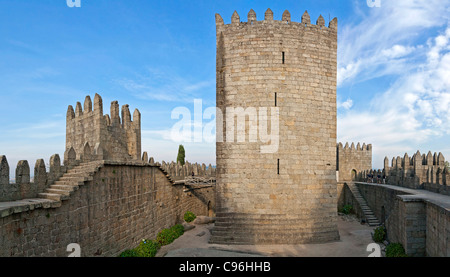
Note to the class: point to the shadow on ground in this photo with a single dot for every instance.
(354, 239)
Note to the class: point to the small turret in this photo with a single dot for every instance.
(320, 21)
(78, 110)
(286, 17)
(306, 19)
(70, 113)
(98, 104)
(115, 119)
(268, 15)
(251, 17)
(87, 104)
(235, 19)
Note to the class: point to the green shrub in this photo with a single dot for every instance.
(380, 234)
(178, 229)
(129, 253)
(347, 209)
(147, 248)
(167, 236)
(395, 250)
(189, 216)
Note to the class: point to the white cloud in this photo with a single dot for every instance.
(378, 45)
(397, 51)
(414, 111)
(346, 105)
(165, 85)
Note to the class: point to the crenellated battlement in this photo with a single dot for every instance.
(176, 171)
(353, 161)
(420, 171)
(285, 21)
(352, 147)
(24, 187)
(95, 136)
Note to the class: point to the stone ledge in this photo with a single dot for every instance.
(19, 206)
(417, 195)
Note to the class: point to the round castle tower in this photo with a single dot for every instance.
(278, 186)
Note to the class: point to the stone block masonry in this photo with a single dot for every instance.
(289, 196)
(418, 219)
(419, 172)
(105, 197)
(23, 188)
(116, 206)
(353, 161)
(94, 136)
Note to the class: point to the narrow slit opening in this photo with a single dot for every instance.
(278, 166)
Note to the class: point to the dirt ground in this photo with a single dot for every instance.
(354, 240)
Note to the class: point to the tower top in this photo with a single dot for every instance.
(269, 18)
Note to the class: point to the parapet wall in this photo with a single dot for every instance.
(94, 136)
(23, 188)
(353, 161)
(285, 20)
(180, 172)
(26, 187)
(419, 221)
(419, 172)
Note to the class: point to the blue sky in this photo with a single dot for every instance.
(393, 69)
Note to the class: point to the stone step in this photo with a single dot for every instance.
(58, 191)
(244, 227)
(79, 174)
(263, 237)
(64, 187)
(68, 183)
(53, 196)
(73, 178)
(282, 223)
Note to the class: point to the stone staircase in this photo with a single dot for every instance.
(71, 181)
(249, 229)
(169, 177)
(370, 217)
(233, 229)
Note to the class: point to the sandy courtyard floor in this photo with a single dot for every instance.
(354, 239)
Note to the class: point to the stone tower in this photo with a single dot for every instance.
(90, 135)
(284, 71)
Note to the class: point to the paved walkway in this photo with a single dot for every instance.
(436, 198)
(354, 240)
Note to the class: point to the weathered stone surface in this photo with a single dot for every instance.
(353, 161)
(290, 70)
(119, 138)
(116, 206)
(203, 220)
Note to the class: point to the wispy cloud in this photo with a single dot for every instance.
(165, 85)
(384, 41)
(42, 130)
(412, 112)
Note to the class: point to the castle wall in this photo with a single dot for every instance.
(419, 222)
(23, 187)
(95, 136)
(122, 204)
(419, 172)
(353, 161)
(290, 69)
